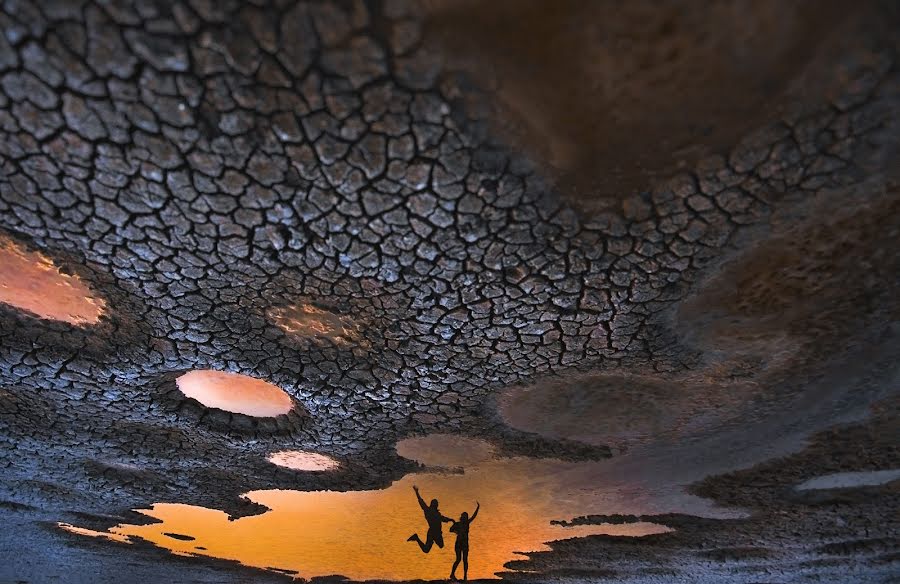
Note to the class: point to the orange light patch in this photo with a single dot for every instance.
(30, 281)
(236, 393)
(302, 460)
(306, 320)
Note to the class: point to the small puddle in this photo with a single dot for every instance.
(306, 320)
(30, 281)
(363, 535)
(236, 393)
(303, 460)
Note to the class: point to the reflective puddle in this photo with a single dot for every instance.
(363, 534)
(306, 320)
(30, 281)
(236, 393)
(302, 460)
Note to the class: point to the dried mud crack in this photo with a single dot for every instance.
(666, 242)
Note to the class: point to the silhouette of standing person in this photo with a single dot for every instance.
(434, 518)
(461, 529)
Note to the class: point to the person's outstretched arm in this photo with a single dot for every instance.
(474, 515)
(446, 519)
(419, 497)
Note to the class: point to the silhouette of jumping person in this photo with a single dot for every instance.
(461, 529)
(434, 518)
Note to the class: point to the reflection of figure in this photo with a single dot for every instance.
(434, 519)
(461, 529)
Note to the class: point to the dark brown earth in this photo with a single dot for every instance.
(586, 81)
(700, 203)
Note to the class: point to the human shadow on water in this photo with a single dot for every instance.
(461, 529)
(433, 516)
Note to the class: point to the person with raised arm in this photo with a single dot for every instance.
(433, 516)
(461, 529)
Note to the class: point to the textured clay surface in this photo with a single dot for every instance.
(660, 237)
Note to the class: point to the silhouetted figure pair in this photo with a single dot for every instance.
(435, 535)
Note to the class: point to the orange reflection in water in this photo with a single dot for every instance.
(92, 533)
(302, 460)
(236, 393)
(306, 320)
(30, 281)
(362, 534)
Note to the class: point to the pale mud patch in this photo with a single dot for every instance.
(446, 450)
(623, 412)
(850, 480)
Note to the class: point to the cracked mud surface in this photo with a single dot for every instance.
(343, 199)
